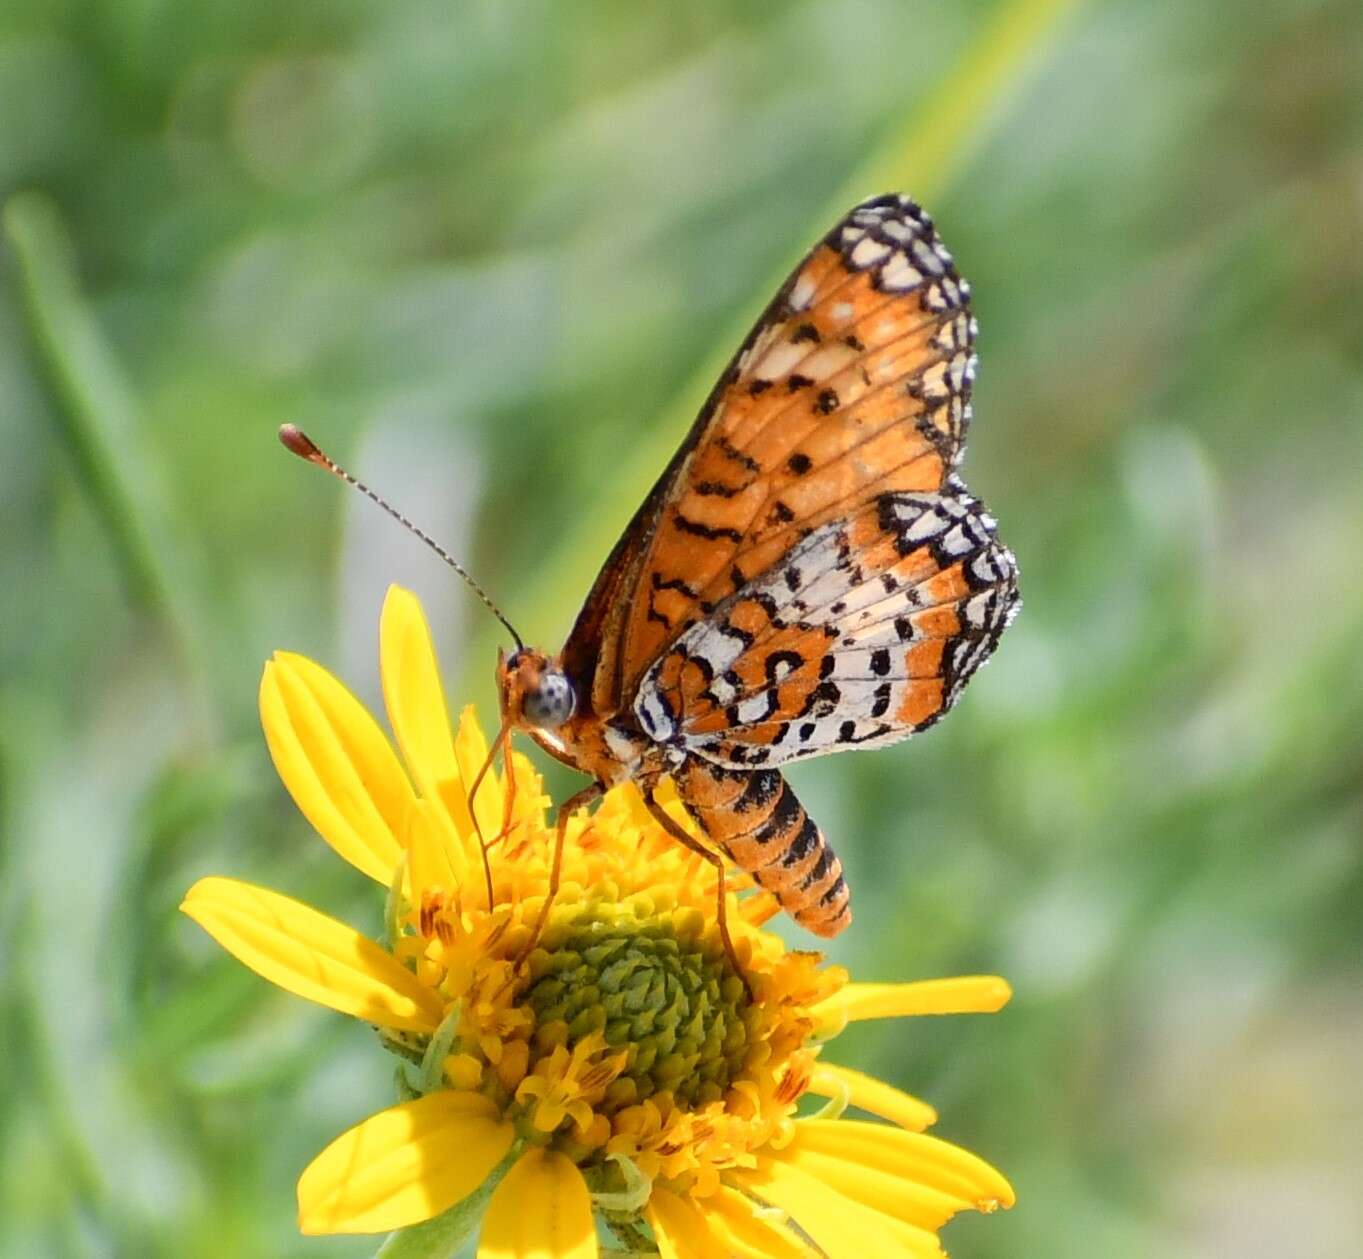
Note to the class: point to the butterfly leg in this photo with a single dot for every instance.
(509, 791)
(502, 743)
(565, 811)
(715, 859)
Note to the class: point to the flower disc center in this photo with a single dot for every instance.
(669, 998)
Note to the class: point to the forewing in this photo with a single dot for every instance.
(853, 384)
(866, 632)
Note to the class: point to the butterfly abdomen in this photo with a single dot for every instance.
(758, 820)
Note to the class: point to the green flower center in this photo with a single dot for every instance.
(659, 985)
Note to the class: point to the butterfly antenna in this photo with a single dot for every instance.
(297, 441)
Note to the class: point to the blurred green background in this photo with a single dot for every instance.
(490, 254)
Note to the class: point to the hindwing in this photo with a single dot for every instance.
(865, 632)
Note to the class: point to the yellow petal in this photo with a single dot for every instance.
(844, 1229)
(470, 750)
(759, 908)
(914, 1241)
(530, 800)
(403, 1165)
(335, 762)
(436, 863)
(366, 743)
(969, 994)
(746, 1233)
(868, 1093)
(542, 1210)
(311, 955)
(725, 1223)
(458, 821)
(412, 691)
(913, 1155)
(680, 1230)
(883, 1189)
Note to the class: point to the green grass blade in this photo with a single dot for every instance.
(99, 424)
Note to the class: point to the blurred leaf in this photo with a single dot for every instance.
(100, 428)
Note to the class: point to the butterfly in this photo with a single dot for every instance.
(808, 575)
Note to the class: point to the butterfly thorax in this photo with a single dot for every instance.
(538, 697)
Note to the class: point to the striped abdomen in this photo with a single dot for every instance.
(756, 818)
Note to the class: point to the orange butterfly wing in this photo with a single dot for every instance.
(854, 383)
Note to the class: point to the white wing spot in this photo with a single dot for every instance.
(623, 748)
(723, 692)
(934, 384)
(653, 715)
(778, 360)
(754, 708)
(928, 525)
(957, 541)
(802, 293)
(977, 610)
(868, 251)
(759, 347)
(828, 361)
(898, 275)
(927, 258)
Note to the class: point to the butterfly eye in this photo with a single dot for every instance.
(551, 703)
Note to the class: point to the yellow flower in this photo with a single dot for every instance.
(623, 1076)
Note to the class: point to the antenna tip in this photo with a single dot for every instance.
(294, 439)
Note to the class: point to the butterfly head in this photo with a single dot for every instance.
(533, 689)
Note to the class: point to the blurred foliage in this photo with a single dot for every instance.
(486, 252)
